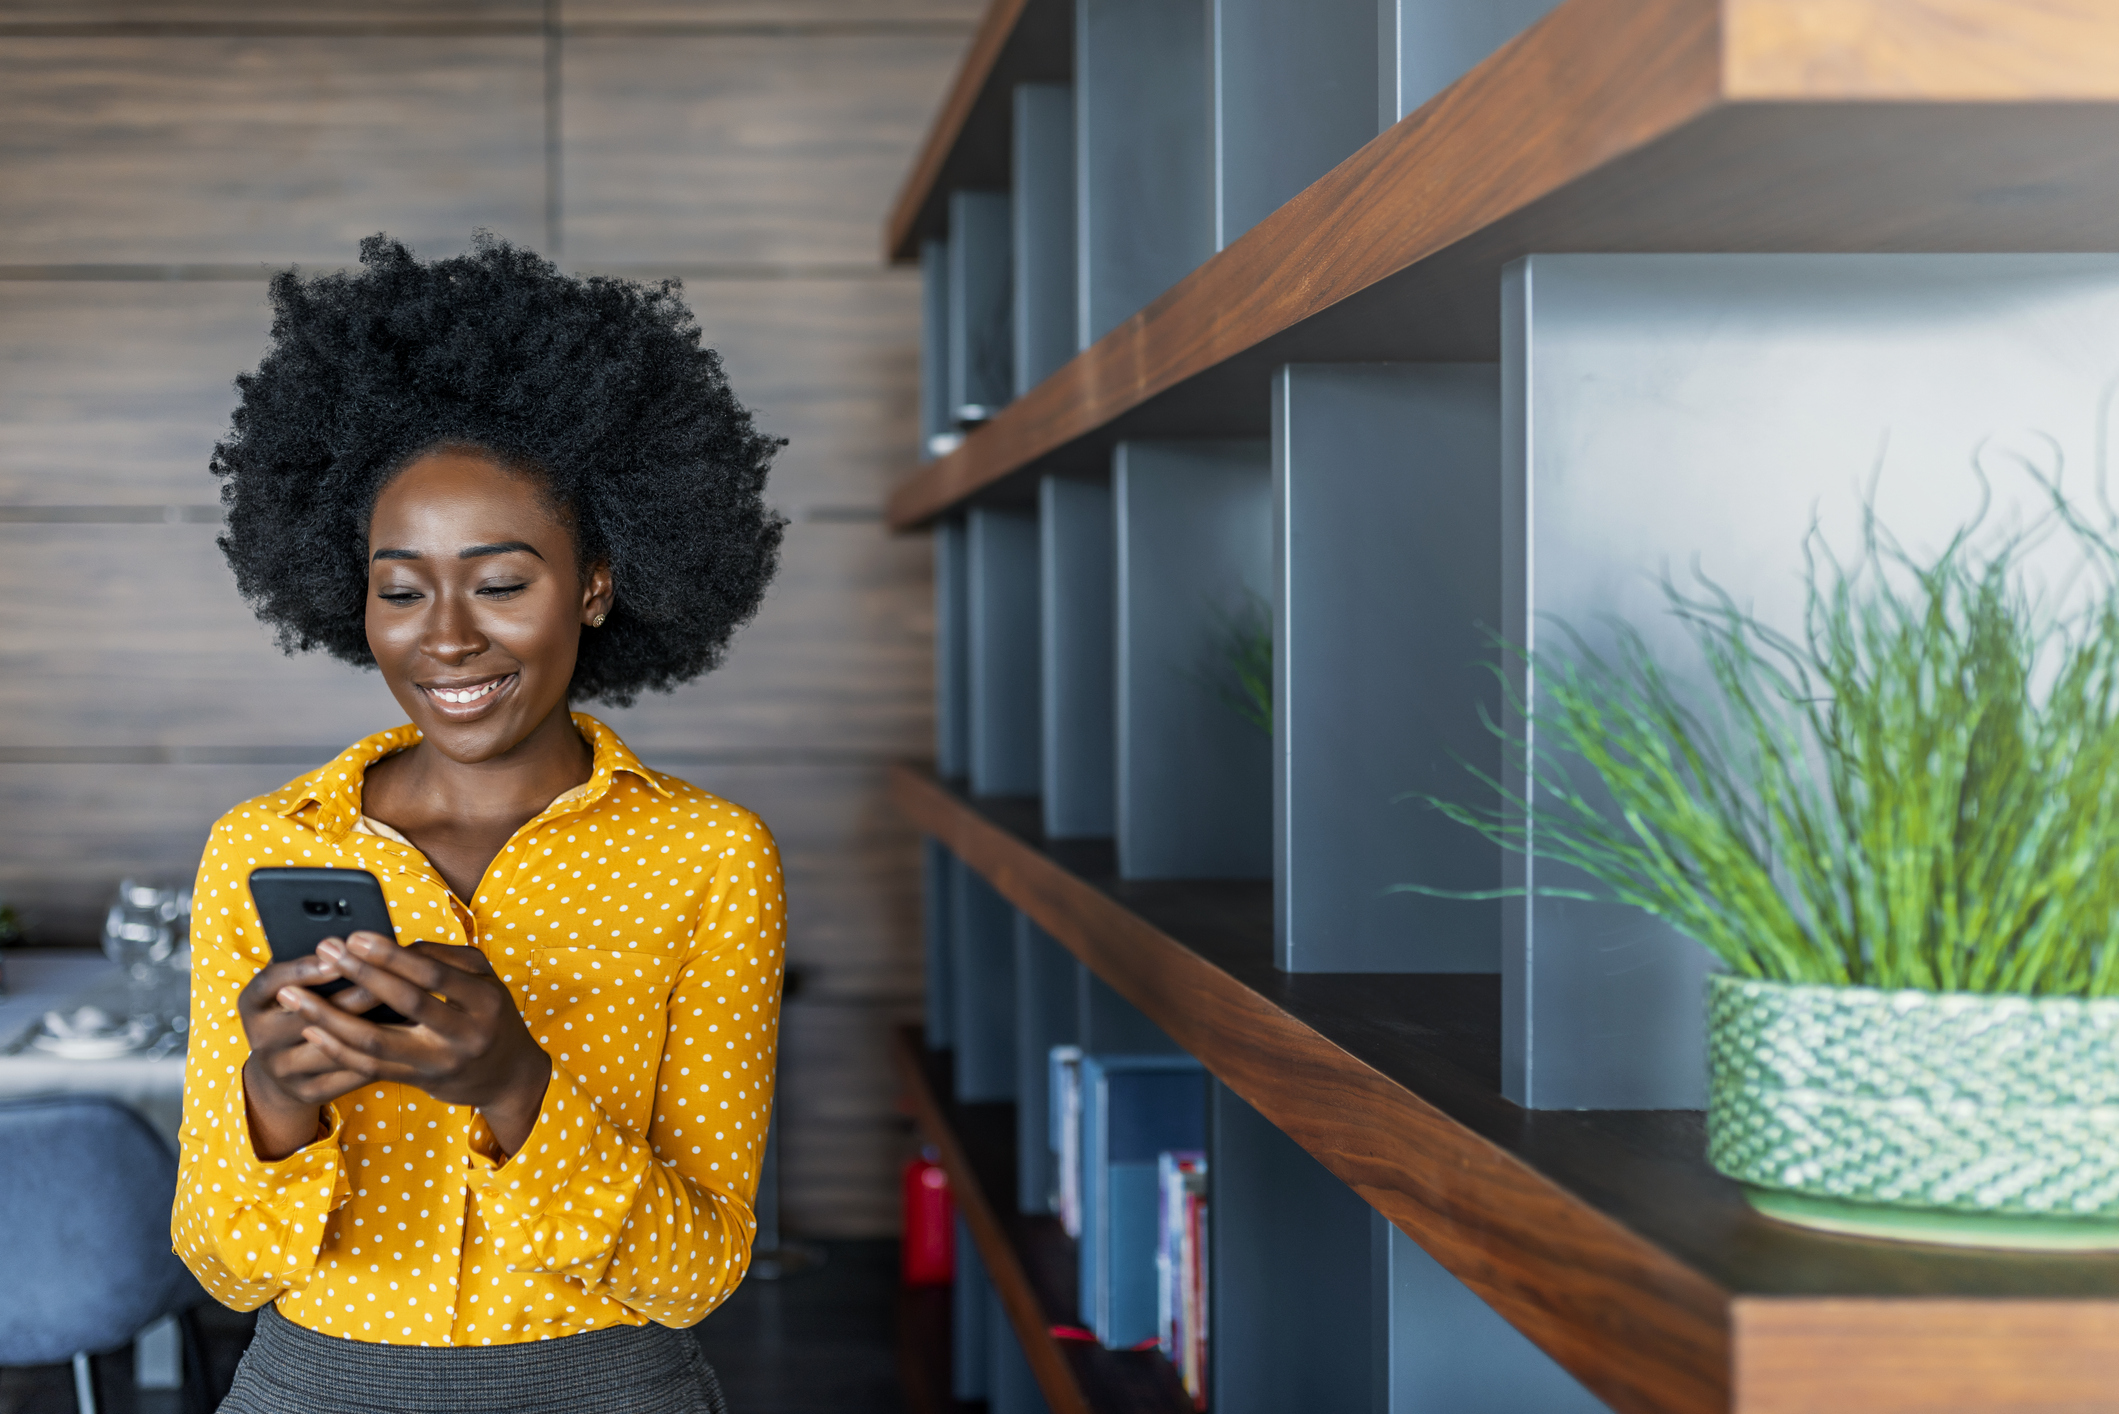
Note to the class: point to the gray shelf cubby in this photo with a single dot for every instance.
(1194, 548)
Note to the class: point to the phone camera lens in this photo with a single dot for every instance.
(345, 909)
(316, 908)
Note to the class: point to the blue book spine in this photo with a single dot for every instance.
(1133, 1109)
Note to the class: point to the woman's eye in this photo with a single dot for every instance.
(502, 589)
(398, 596)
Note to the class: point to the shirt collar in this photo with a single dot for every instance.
(334, 790)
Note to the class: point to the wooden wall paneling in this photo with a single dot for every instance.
(1041, 184)
(982, 986)
(938, 434)
(69, 832)
(853, 880)
(771, 149)
(1292, 91)
(950, 16)
(952, 649)
(234, 150)
(1001, 576)
(837, 661)
(981, 306)
(1434, 1345)
(138, 638)
(274, 16)
(937, 911)
(1076, 604)
(114, 392)
(1387, 583)
(1288, 1249)
(1144, 200)
(1194, 554)
(829, 363)
(972, 1310)
(842, 1143)
(1424, 46)
(1045, 1016)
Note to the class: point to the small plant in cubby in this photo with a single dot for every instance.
(1239, 664)
(1897, 829)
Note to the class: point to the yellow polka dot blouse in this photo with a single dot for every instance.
(640, 924)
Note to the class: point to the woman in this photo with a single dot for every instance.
(506, 489)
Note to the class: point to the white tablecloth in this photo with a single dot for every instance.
(47, 979)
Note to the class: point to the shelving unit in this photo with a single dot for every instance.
(1029, 1260)
(1611, 125)
(1329, 371)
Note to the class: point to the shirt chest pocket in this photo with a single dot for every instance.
(603, 1014)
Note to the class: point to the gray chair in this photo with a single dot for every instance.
(85, 1193)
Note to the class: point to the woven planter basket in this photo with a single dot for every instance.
(1921, 1116)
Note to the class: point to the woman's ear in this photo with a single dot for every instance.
(596, 596)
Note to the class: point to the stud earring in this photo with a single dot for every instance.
(597, 622)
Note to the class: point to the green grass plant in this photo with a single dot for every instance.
(1240, 670)
(1918, 789)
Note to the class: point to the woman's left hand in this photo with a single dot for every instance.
(466, 1044)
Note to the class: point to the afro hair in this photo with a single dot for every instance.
(597, 388)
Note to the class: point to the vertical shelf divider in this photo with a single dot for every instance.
(952, 650)
(981, 306)
(982, 940)
(1001, 575)
(1077, 584)
(971, 1310)
(1289, 1328)
(1041, 190)
(1386, 551)
(1144, 203)
(1424, 46)
(937, 426)
(1045, 1016)
(938, 907)
(1194, 531)
(1438, 1346)
(1292, 92)
(1106, 1022)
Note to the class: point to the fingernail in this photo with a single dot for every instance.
(290, 998)
(331, 948)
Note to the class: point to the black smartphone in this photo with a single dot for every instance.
(302, 907)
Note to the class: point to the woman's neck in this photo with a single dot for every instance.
(460, 813)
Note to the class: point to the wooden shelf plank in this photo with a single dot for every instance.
(1017, 41)
(1603, 1236)
(1611, 125)
(1029, 1258)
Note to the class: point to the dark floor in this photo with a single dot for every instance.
(823, 1342)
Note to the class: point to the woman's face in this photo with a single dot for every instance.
(475, 604)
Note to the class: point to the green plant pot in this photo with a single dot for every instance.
(1919, 1116)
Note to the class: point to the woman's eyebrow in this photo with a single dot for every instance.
(505, 547)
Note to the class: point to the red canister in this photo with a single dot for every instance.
(928, 1249)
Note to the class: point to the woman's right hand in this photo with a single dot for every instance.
(287, 1079)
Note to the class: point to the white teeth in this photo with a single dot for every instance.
(468, 694)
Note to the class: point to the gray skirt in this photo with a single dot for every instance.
(649, 1369)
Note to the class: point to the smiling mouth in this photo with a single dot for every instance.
(467, 699)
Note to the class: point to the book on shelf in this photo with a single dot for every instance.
(1064, 1118)
(1133, 1108)
(1181, 1268)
